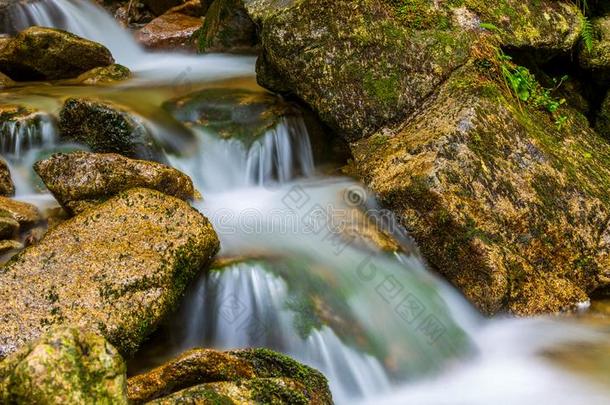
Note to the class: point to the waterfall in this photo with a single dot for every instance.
(279, 155)
(18, 136)
(89, 20)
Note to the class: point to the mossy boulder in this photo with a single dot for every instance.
(200, 372)
(597, 59)
(7, 188)
(231, 113)
(362, 65)
(104, 75)
(258, 391)
(507, 206)
(106, 128)
(39, 53)
(227, 28)
(65, 366)
(80, 179)
(118, 269)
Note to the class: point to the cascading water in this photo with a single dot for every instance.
(88, 20)
(292, 276)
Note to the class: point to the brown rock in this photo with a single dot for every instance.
(25, 214)
(39, 53)
(8, 227)
(7, 188)
(170, 31)
(118, 269)
(79, 178)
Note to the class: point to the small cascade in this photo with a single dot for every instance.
(282, 154)
(19, 136)
(245, 306)
(89, 20)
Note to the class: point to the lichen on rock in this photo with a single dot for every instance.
(39, 53)
(65, 366)
(117, 269)
(80, 179)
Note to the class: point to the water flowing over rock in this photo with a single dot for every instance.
(64, 366)
(80, 179)
(117, 269)
(245, 368)
(39, 53)
(106, 128)
(23, 128)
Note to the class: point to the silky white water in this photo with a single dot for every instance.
(380, 326)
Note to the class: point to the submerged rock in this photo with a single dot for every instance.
(117, 269)
(65, 366)
(233, 376)
(39, 53)
(104, 75)
(81, 179)
(7, 188)
(106, 128)
(362, 65)
(227, 28)
(507, 206)
(231, 113)
(170, 31)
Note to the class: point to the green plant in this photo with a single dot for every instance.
(587, 33)
(525, 87)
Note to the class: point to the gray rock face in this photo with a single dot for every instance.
(117, 269)
(79, 179)
(38, 53)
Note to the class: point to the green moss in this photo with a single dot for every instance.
(272, 392)
(385, 88)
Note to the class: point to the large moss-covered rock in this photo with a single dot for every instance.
(241, 369)
(602, 121)
(117, 269)
(258, 391)
(39, 53)
(512, 210)
(227, 28)
(5, 81)
(106, 128)
(65, 366)
(7, 188)
(80, 179)
(597, 59)
(365, 64)
(231, 113)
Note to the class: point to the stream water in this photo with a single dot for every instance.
(290, 276)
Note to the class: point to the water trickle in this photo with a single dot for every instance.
(281, 154)
(18, 136)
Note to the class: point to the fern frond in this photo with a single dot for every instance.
(587, 33)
